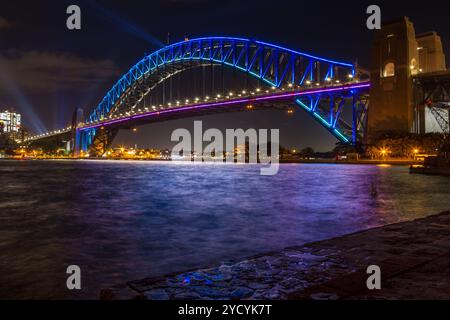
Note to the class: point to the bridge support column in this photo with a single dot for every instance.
(98, 141)
(82, 140)
(355, 120)
(328, 108)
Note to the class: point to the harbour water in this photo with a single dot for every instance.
(123, 221)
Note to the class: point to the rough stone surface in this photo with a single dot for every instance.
(414, 258)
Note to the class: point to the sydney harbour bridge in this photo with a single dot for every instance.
(223, 74)
(261, 76)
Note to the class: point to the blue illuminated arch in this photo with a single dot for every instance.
(274, 65)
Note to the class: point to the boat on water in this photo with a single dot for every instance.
(438, 165)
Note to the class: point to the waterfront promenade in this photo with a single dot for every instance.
(414, 258)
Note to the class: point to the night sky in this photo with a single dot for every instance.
(46, 70)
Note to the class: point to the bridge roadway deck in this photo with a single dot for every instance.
(279, 99)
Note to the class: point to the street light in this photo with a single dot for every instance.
(384, 152)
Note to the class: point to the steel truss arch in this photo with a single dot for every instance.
(275, 65)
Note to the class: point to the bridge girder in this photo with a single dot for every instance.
(102, 141)
(272, 64)
(433, 91)
(328, 109)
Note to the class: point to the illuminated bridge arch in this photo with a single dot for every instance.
(271, 64)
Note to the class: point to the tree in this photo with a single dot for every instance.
(343, 149)
(6, 142)
(307, 152)
(405, 145)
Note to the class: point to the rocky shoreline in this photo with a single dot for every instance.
(414, 258)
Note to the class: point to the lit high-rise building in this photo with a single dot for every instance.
(10, 122)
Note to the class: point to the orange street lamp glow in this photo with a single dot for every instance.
(384, 152)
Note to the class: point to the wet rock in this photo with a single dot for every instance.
(290, 283)
(157, 294)
(272, 295)
(258, 295)
(257, 286)
(211, 292)
(324, 296)
(312, 260)
(173, 283)
(219, 277)
(120, 293)
(187, 296)
(241, 293)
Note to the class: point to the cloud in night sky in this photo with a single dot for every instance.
(40, 71)
(4, 24)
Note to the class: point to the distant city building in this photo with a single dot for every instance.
(10, 122)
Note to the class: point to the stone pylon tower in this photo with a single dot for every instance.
(394, 61)
(431, 52)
